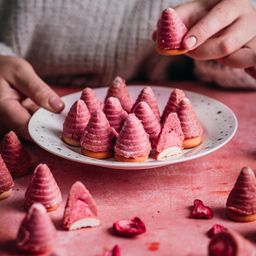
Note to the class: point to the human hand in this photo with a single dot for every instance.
(21, 93)
(221, 30)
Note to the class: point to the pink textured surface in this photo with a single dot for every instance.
(161, 197)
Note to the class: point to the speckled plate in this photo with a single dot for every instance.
(219, 122)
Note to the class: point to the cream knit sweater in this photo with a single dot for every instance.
(84, 41)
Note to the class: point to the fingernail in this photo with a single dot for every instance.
(190, 42)
(56, 103)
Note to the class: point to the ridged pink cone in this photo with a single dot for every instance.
(76, 121)
(98, 136)
(6, 181)
(119, 90)
(80, 210)
(43, 189)
(230, 243)
(15, 156)
(149, 121)
(148, 96)
(242, 198)
(173, 102)
(170, 139)
(170, 30)
(133, 141)
(115, 113)
(91, 100)
(190, 124)
(37, 234)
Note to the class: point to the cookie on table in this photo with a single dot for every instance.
(75, 123)
(133, 144)
(98, 137)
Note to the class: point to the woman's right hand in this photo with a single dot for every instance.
(21, 93)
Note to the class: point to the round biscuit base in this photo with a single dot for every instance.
(124, 159)
(53, 208)
(5, 194)
(97, 155)
(70, 141)
(240, 218)
(191, 143)
(170, 52)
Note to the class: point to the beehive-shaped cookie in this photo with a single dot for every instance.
(75, 123)
(91, 100)
(43, 189)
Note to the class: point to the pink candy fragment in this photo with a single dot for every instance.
(200, 211)
(115, 251)
(215, 229)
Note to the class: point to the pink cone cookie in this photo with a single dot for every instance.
(173, 102)
(230, 243)
(148, 96)
(191, 126)
(75, 123)
(99, 137)
(119, 90)
(43, 189)
(170, 33)
(133, 143)
(91, 100)
(37, 234)
(170, 139)
(15, 156)
(6, 181)
(80, 210)
(149, 121)
(115, 113)
(241, 202)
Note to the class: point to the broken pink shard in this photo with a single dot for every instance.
(148, 96)
(200, 211)
(80, 210)
(173, 102)
(6, 181)
(91, 100)
(98, 136)
(43, 189)
(242, 198)
(230, 243)
(119, 90)
(215, 229)
(115, 251)
(170, 139)
(37, 233)
(15, 156)
(129, 228)
(133, 141)
(115, 113)
(76, 121)
(190, 124)
(170, 30)
(149, 121)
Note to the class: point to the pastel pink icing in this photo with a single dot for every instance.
(43, 188)
(173, 102)
(148, 96)
(133, 141)
(15, 155)
(190, 124)
(91, 100)
(37, 233)
(230, 243)
(149, 121)
(98, 136)
(242, 198)
(115, 113)
(170, 30)
(80, 204)
(6, 181)
(76, 120)
(171, 134)
(119, 90)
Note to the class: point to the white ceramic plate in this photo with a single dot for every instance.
(219, 122)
